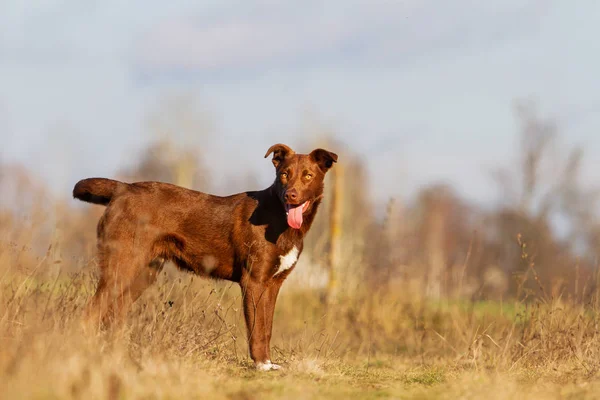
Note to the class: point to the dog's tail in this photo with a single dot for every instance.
(97, 190)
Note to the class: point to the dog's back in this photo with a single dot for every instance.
(169, 222)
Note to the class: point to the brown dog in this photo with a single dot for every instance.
(253, 238)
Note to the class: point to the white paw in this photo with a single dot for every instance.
(267, 366)
(263, 366)
(275, 367)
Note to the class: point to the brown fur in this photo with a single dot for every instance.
(238, 238)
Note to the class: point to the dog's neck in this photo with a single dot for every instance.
(270, 213)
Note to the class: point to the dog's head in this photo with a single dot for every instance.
(299, 181)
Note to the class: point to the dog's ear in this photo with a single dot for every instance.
(323, 158)
(280, 152)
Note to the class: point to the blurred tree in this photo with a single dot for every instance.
(544, 189)
(443, 226)
(179, 129)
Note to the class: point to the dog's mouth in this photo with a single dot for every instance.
(294, 213)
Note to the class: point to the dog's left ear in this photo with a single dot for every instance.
(323, 158)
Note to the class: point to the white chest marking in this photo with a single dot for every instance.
(287, 261)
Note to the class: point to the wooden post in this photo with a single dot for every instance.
(335, 226)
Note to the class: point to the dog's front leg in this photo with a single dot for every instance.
(259, 305)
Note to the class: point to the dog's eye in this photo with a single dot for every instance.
(284, 175)
(308, 177)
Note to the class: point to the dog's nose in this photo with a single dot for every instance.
(291, 195)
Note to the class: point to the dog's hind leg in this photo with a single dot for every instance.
(97, 307)
(144, 278)
(124, 278)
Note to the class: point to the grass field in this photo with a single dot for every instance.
(185, 338)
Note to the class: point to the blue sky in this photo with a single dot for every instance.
(422, 90)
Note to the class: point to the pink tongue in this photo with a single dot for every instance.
(294, 217)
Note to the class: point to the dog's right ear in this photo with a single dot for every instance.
(280, 153)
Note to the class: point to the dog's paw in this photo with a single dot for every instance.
(275, 367)
(267, 366)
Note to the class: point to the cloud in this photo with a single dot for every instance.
(237, 41)
(285, 34)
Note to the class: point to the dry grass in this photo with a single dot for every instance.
(185, 339)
